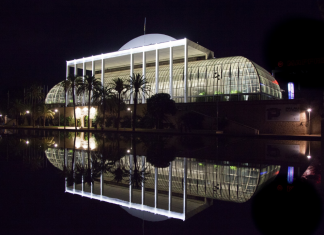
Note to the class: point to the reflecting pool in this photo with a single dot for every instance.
(87, 183)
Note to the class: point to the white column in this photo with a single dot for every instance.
(82, 186)
(130, 179)
(83, 74)
(184, 186)
(93, 74)
(171, 72)
(75, 74)
(101, 180)
(65, 161)
(89, 159)
(185, 89)
(170, 186)
(156, 187)
(144, 73)
(157, 71)
(102, 71)
(131, 74)
(67, 74)
(143, 183)
(93, 67)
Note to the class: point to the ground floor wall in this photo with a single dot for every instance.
(268, 116)
(263, 116)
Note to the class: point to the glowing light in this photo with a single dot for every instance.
(290, 175)
(262, 173)
(309, 157)
(55, 145)
(27, 142)
(128, 150)
(308, 110)
(77, 143)
(78, 112)
(275, 82)
(291, 91)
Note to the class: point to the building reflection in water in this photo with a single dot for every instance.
(181, 190)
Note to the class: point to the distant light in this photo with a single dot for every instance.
(27, 111)
(308, 110)
(291, 91)
(309, 157)
(128, 150)
(55, 110)
(128, 109)
(55, 145)
(290, 175)
(262, 173)
(27, 142)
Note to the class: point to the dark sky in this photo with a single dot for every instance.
(37, 37)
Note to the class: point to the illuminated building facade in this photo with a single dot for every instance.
(184, 69)
(181, 190)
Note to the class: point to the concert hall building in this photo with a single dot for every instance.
(186, 70)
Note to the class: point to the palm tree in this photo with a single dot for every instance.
(45, 112)
(16, 109)
(119, 85)
(35, 94)
(66, 84)
(89, 84)
(138, 85)
(101, 96)
(74, 83)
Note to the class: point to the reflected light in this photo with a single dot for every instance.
(309, 157)
(128, 150)
(27, 142)
(55, 145)
(77, 143)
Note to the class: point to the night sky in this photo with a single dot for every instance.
(37, 37)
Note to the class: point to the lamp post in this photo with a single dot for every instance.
(131, 116)
(58, 116)
(309, 110)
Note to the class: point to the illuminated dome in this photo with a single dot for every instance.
(147, 39)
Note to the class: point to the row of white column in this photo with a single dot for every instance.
(144, 71)
(156, 185)
(143, 183)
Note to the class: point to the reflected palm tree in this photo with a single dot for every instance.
(137, 174)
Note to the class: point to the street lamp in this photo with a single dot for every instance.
(131, 116)
(309, 110)
(27, 111)
(58, 116)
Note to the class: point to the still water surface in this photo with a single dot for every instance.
(56, 183)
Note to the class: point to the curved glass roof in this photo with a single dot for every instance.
(204, 179)
(57, 96)
(236, 75)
